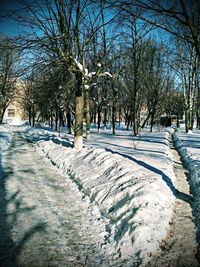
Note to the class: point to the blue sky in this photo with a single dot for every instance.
(7, 27)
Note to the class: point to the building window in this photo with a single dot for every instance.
(11, 113)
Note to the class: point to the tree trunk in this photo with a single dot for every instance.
(189, 92)
(99, 118)
(29, 116)
(198, 122)
(113, 107)
(113, 119)
(56, 119)
(105, 119)
(69, 125)
(61, 119)
(51, 117)
(33, 116)
(1, 116)
(152, 119)
(2, 112)
(128, 121)
(120, 112)
(78, 133)
(87, 107)
(145, 121)
(95, 119)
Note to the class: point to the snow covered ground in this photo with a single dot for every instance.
(44, 219)
(5, 137)
(188, 146)
(127, 183)
(130, 180)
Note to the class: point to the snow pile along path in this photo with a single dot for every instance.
(188, 146)
(135, 197)
(5, 137)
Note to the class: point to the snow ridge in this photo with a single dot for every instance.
(5, 138)
(189, 149)
(135, 201)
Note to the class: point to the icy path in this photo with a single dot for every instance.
(180, 247)
(43, 222)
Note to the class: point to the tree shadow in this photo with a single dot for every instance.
(9, 247)
(149, 150)
(54, 139)
(166, 179)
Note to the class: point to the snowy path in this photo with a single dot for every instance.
(132, 188)
(180, 247)
(43, 222)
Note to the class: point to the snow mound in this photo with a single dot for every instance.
(188, 146)
(5, 137)
(135, 198)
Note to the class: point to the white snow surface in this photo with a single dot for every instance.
(5, 138)
(188, 145)
(132, 188)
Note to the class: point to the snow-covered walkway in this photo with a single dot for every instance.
(115, 203)
(43, 220)
(133, 188)
(180, 246)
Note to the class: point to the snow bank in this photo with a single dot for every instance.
(188, 146)
(5, 137)
(136, 198)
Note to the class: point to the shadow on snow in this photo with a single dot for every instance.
(166, 179)
(10, 248)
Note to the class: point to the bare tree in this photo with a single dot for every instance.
(9, 57)
(178, 17)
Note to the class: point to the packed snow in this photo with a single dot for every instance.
(130, 180)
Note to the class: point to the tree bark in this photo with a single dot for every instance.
(29, 116)
(78, 133)
(69, 125)
(105, 118)
(113, 118)
(87, 107)
(33, 115)
(99, 118)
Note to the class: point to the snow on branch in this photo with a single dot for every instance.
(89, 75)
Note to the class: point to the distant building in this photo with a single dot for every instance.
(14, 112)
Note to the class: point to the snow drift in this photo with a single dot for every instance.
(134, 197)
(5, 137)
(188, 146)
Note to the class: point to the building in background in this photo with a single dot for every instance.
(15, 113)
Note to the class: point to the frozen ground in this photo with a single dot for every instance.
(128, 185)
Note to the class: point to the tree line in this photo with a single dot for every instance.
(103, 62)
